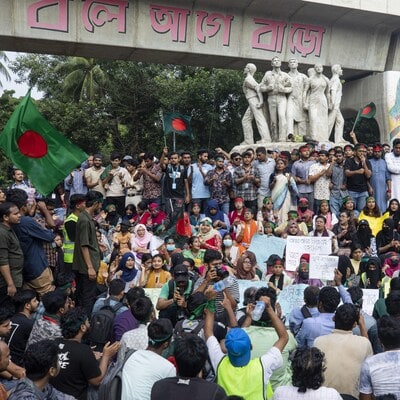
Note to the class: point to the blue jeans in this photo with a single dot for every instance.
(359, 199)
(335, 205)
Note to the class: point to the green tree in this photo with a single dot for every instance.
(3, 68)
(84, 80)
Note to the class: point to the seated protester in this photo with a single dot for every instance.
(195, 217)
(136, 338)
(142, 214)
(344, 351)
(308, 310)
(388, 239)
(79, 367)
(329, 299)
(237, 215)
(393, 210)
(190, 354)
(263, 336)
(304, 213)
(292, 216)
(147, 366)
(140, 242)
(364, 239)
(302, 273)
(372, 214)
(246, 267)
(127, 271)
(26, 304)
(41, 364)
(267, 211)
(170, 249)
(116, 293)
(219, 219)
(350, 206)
(157, 275)
(48, 325)
(236, 369)
(214, 272)
(246, 230)
(344, 230)
(110, 218)
(321, 231)
(356, 294)
(371, 278)
(345, 267)
(377, 372)
(278, 280)
(356, 257)
(157, 218)
(130, 212)
(230, 251)
(292, 229)
(209, 237)
(4, 363)
(122, 237)
(307, 378)
(391, 264)
(193, 271)
(172, 300)
(380, 305)
(195, 252)
(125, 321)
(324, 210)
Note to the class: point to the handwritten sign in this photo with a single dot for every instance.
(370, 296)
(323, 267)
(153, 295)
(263, 246)
(298, 245)
(290, 297)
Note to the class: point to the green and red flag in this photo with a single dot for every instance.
(37, 148)
(178, 123)
(367, 112)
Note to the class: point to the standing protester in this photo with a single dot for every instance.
(87, 254)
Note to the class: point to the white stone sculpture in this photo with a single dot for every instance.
(335, 117)
(277, 85)
(316, 95)
(295, 114)
(254, 110)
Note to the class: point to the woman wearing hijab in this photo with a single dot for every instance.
(246, 267)
(364, 239)
(140, 242)
(371, 278)
(209, 237)
(349, 277)
(219, 220)
(127, 271)
(388, 239)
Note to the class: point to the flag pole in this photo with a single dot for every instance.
(355, 122)
(174, 139)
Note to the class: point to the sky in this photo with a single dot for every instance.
(20, 88)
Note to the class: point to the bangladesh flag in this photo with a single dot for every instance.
(367, 112)
(178, 123)
(37, 148)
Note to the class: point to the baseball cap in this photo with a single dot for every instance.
(181, 273)
(127, 157)
(238, 344)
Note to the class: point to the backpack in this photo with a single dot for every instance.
(101, 323)
(305, 312)
(111, 386)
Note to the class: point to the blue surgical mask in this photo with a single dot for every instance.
(228, 242)
(170, 247)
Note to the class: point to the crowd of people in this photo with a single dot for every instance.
(77, 268)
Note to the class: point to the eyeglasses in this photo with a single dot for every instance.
(238, 158)
(246, 262)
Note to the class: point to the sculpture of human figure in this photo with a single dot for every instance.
(254, 110)
(277, 84)
(295, 114)
(316, 102)
(335, 117)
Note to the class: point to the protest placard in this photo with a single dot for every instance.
(290, 297)
(244, 284)
(370, 296)
(263, 246)
(298, 245)
(323, 267)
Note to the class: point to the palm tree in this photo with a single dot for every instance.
(85, 80)
(3, 68)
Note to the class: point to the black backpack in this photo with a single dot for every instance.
(111, 386)
(101, 323)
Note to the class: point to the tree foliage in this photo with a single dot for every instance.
(116, 105)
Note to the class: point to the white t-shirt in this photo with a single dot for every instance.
(290, 392)
(141, 371)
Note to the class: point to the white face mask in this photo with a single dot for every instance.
(228, 242)
(170, 247)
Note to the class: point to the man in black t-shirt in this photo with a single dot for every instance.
(26, 303)
(78, 364)
(176, 185)
(358, 170)
(190, 356)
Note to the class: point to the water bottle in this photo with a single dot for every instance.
(221, 285)
(258, 311)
